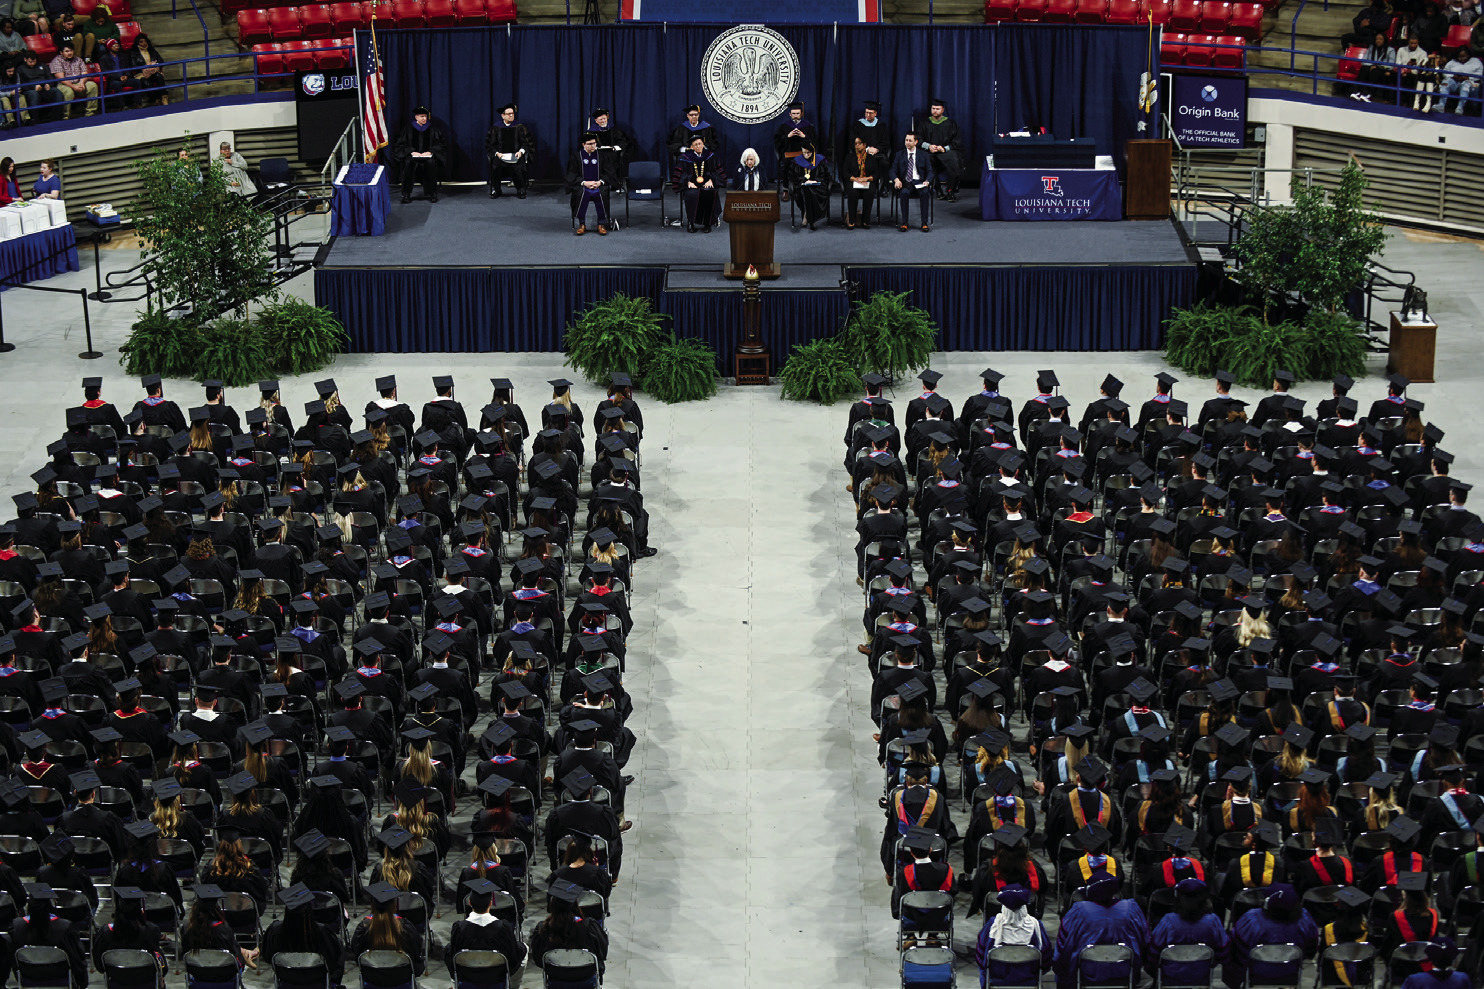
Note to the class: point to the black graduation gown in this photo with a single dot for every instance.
(811, 181)
(496, 935)
(689, 179)
(426, 170)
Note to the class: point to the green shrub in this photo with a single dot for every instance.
(1204, 338)
(1332, 344)
(821, 370)
(232, 351)
(614, 335)
(160, 344)
(300, 337)
(886, 334)
(680, 371)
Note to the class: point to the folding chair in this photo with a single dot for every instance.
(37, 966)
(928, 968)
(130, 968)
(213, 969)
(1106, 966)
(480, 970)
(645, 184)
(927, 917)
(1011, 967)
(300, 970)
(570, 968)
(1185, 966)
(1275, 965)
(386, 970)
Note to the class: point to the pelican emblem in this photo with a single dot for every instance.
(750, 73)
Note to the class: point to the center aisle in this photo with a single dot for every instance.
(753, 855)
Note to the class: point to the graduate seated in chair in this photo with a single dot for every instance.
(699, 177)
(809, 180)
(590, 179)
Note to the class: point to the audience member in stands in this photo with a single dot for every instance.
(1461, 80)
(1374, 71)
(1430, 27)
(1429, 84)
(73, 81)
(234, 171)
(10, 92)
(1365, 24)
(11, 40)
(67, 30)
(1409, 59)
(145, 59)
(37, 87)
(96, 30)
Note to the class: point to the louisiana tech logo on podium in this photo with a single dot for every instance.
(750, 74)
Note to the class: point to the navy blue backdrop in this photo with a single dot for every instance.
(1081, 81)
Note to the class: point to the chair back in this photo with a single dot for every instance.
(213, 968)
(385, 970)
(927, 910)
(645, 179)
(1014, 966)
(1348, 965)
(1275, 965)
(570, 968)
(42, 965)
(1105, 965)
(932, 968)
(480, 970)
(130, 968)
(300, 970)
(1186, 966)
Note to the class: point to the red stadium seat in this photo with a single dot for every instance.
(999, 10)
(1246, 20)
(407, 13)
(1457, 37)
(1185, 15)
(1093, 11)
(269, 59)
(298, 56)
(1172, 48)
(129, 32)
(252, 27)
(1216, 16)
(1229, 57)
(1123, 12)
(314, 21)
(283, 23)
(470, 12)
(439, 13)
(1030, 11)
(337, 56)
(1060, 11)
(1160, 10)
(1198, 51)
(500, 11)
(347, 16)
(42, 45)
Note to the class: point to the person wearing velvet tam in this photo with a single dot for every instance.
(941, 139)
(1012, 925)
(699, 177)
(509, 147)
(420, 153)
(615, 146)
(1282, 919)
(1103, 918)
(1442, 974)
(590, 178)
(689, 129)
(809, 175)
(1191, 922)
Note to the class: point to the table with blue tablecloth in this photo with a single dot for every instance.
(360, 202)
(1050, 193)
(32, 257)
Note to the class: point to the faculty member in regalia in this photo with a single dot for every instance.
(809, 177)
(590, 179)
(419, 152)
(509, 147)
(699, 178)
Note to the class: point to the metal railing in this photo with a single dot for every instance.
(347, 150)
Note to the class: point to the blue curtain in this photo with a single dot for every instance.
(1041, 308)
(1076, 80)
(647, 73)
(786, 318)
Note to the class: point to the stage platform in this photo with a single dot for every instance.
(476, 274)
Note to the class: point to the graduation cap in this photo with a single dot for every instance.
(409, 792)
(579, 782)
(1232, 734)
(296, 897)
(1298, 735)
(1141, 690)
(1381, 780)
(1443, 734)
(34, 739)
(256, 733)
(384, 893)
(85, 780)
(105, 735)
(1222, 691)
(1314, 777)
(1268, 833)
(241, 783)
(1077, 730)
(1328, 831)
(1093, 837)
(340, 733)
(165, 788)
(1155, 733)
(1403, 829)
(142, 830)
(1179, 837)
(1091, 771)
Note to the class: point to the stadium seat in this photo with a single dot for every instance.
(1229, 56)
(1160, 10)
(1122, 12)
(1246, 20)
(298, 56)
(252, 27)
(268, 59)
(129, 32)
(1349, 69)
(1172, 48)
(42, 45)
(439, 13)
(348, 16)
(1092, 11)
(283, 23)
(1216, 16)
(999, 10)
(1457, 37)
(1185, 15)
(118, 10)
(470, 12)
(500, 11)
(314, 21)
(1060, 11)
(1030, 11)
(407, 13)
(334, 53)
(1198, 52)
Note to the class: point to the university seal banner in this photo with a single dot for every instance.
(750, 74)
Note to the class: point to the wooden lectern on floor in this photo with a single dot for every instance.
(1147, 181)
(1414, 342)
(750, 217)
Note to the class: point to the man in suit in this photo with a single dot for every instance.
(590, 179)
(912, 175)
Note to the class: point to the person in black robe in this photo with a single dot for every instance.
(615, 146)
(482, 930)
(510, 148)
(688, 130)
(298, 931)
(590, 180)
(698, 176)
(794, 134)
(940, 137)
(421, 154)
(874, 133)
(809, 175)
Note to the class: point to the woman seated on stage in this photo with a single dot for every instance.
(699, 177)
(750, 177)
(809, 180)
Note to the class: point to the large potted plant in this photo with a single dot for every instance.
(888, 335)
(614, 335)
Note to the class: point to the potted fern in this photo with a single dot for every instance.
(680, 371)
(614, 335)
(821, 370)
(888, 335)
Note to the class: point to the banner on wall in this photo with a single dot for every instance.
(1209, 111)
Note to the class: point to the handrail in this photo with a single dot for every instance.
(205, 34)
(1293, 31)
(346, 150)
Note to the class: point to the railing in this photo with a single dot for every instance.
(346, 151)
(120, 99)
(205, 34)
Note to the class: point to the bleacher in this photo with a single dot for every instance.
(1205, 34)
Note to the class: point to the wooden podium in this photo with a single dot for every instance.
(1147, 181)
(750, 217)
(1413, 347)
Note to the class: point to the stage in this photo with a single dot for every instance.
(475, 274)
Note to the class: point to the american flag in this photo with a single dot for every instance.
(373, 99)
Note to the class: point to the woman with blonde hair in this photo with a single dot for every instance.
(188, 769)
(399, 866)
(271, 403)
(173, 820)
(245, 814)
(253, 599)
(561, 394)
(201, 438)
(232, 870)
(410, 811)
(386, 930)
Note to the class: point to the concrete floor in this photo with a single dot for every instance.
(754, 858)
